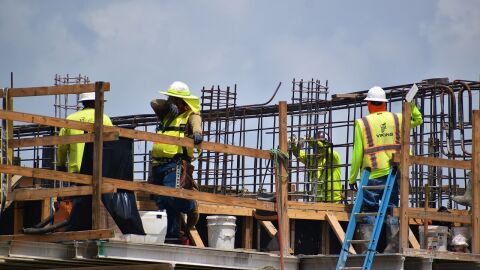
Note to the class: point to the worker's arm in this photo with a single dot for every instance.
(160, 107)
(357, 156)
(62, 150)
(195, 123)
(417, 118)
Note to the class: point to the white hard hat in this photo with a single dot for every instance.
(179, 89)
(376, 93)
(86, 96)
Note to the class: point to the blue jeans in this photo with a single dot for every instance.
(165, 175)
(371, 199)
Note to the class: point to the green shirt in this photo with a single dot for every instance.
(357, 157)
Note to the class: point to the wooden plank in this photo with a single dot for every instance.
(404, 178)
(413, 240)
(56, 140)
(18, 217)
(43, 193)
(247, 228)
(216, 209)
(475, 183)
(46, 208)
(439, 162)
(56, 90)
(60, 236)
(338, 230)
(139, 186)
(193, 234)
(269, 228)
(442, 255)
(432, 214)
(282, 180)
(135, 134)
(335, 207)
(97, 179)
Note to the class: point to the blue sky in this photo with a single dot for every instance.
(142, 46)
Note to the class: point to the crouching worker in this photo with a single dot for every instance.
(325, 162)
(178, 116)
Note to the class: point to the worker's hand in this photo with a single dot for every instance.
(172, 109)
(353, 186)
(61, 168)
(197, 138)
(293, 141)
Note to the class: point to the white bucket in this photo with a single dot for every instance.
(221, 231)
(436, 238)
(155, 226)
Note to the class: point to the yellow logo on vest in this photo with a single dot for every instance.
(383, 127)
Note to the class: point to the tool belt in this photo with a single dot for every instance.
(184, 171)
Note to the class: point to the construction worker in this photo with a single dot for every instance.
(75, 151)
(377, 138)
(326, 160)
(178, 116)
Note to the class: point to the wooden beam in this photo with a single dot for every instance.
(193, 234)
(56, 140)
(282, 180)
(404, 176)
(432, 214)
(150, 266)
(334, 207)
(247, 229)
(217, 209)
(338, 230)
(135, 134)
(60, 236)
(268, 226)
(413, 240)
(475, 183)
(439, 162)
(56, 90)
(97, 176)
(441, 255)
(43, 193)
(139, 186)
(306, 214)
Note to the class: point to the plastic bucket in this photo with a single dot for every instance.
(221, 231)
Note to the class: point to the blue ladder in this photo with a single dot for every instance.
(379, 218)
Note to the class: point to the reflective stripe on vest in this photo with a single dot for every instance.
(175, 128)
(380, 144)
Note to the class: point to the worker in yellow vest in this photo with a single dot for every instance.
(74, 151)
(377, 138)
(178, 116)
(326, 161)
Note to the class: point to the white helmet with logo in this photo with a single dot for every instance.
(376, 93)
(86, 96)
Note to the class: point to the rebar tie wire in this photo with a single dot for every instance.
(278, 154)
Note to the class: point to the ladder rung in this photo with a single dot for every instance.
(352, 268)
(374, 187)
(366, 214)
(358, 241)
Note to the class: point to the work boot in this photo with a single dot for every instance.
(364, 232)
(466, 198)
(393, 229)
(192, 217)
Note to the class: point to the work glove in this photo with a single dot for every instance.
(197, 138)
(292, 142)
(353, 186)
(61, 168)
(172, 109)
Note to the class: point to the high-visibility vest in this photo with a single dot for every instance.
(381, 138)
(176, 128)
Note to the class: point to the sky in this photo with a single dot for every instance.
(140, 47)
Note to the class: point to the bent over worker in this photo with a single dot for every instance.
(327, 163)
(178, 116)
(74, 151)
(377, 138)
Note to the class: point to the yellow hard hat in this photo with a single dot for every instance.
(180, 90)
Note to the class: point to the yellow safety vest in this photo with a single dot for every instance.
(176, 128)
(381, 138)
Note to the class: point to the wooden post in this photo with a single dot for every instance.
(404, 180)
(97, 157)
(475, 183)
(282, 180)
(247, 233)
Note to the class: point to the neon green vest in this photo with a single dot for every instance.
(381, 138)
(176, 128)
